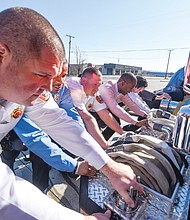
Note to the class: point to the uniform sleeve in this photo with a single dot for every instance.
(65, 98)
(134, 104)
(109, 98)
(39, 143)
(19, 199)
(66, 103)
(176, 81)
(77, 93)
(187, 71)
(67, 132)
(99, 103)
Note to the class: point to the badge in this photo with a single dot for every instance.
(44, 96)
(17, 112)
(99, 99)
(90, 105)
(56, 97)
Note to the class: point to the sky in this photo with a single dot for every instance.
(150, 34)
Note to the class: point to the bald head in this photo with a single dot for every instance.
(25, 33)
(31, 55)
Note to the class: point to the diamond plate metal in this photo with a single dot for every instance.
(157, 206)
(98, 189)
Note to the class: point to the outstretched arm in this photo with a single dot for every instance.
(74, 138)
(92, 127)
(110, 121)
(39, 143)
(121, 177)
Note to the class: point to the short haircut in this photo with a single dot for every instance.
(127, 77)
(141, 82)
(25, 32)
(89, 71)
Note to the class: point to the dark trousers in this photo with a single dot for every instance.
(131, 127)
(40, 170)
(40, 176)
(8, 157)
(107, 132)
(149, 98)
(12, 146)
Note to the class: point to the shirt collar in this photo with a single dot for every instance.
(116, 88)
(2, 101)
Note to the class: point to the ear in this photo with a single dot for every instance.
(5, 54)
(122, 82)
(83, 80)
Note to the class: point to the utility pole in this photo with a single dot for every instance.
(70, 37)
(168, 63)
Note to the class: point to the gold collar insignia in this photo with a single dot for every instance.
(90, 105)
(44, 96)
(17, 112)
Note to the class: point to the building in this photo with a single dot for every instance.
(119, 69)
(106, 69)
(116, 70)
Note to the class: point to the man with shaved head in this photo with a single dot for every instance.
(31, 55)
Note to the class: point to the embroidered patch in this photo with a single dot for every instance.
(56, 97)
(99, 99)
(44, 96)
(90, 105)
(17, 112)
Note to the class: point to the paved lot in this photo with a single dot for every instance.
(154, 83)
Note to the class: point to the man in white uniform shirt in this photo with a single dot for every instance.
(84, 93)
(31, 55)
(114, 93)
(134, 95)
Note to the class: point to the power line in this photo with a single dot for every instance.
(125, 58)
(142, 50)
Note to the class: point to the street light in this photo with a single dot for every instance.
(168, 63)
(69, 51)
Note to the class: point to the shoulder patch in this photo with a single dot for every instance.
(99, 99)
(44, 96)
(56, 97)
(17, 112)
(90, 105)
